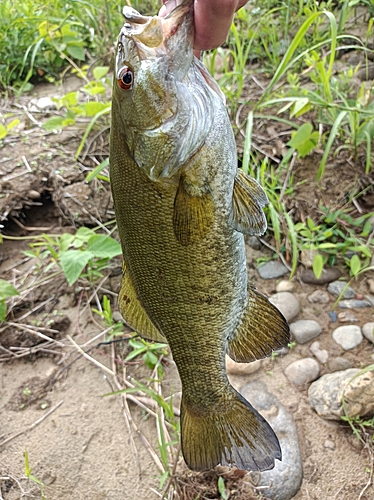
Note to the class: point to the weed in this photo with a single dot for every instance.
(7, 291)
(31, 477)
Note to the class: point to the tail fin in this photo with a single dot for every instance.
(234, 434)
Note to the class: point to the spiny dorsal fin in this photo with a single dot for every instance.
(133, 312)
(261, 330)
(249, 198)
(193, 212)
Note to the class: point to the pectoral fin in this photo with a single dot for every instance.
(133, 312)
(193, 212)
(261, 330)
(249, 198)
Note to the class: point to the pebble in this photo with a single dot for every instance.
(272, 270)
(233, 368)
(307, 257)
(287, 303)
(321, 354)
(368, 331)
(302, 371)
(284, 481)
(371, 285)
(319, 297)
(305, 330)
(347, 317)
(254, 242)
(42, 104)
(328, 275)
(329, 444)
(369, 298)
(348, 337)
(354, 304)
(34, 195)
(338, 364)
(333, 316)
(285, 286)
(337, 287)
(325, 395)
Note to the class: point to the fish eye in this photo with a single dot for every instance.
(126, 78)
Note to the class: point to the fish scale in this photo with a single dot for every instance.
(182, 207)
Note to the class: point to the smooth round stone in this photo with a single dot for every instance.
(328, 444)
(319, 297)
(368, 331)
(284, 480)
(328, 275)
(233, 368)
(354, 304)
(337, 287)
(254, 242)
(321, 354)
(305, 330)
(272, 270)
(371, 285)
(285, 286)
(307, 257)
(348, 337)
(302, 371)
(287, 303)
(338, 364)
(34, 195)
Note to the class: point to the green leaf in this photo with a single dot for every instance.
(55, 123)
(73, 262)
(3, 131)
(100, 71)
(76, 51)
(84, 234)
(92, 108)
(317, 266)
(104, 246)
(96, 171)
(299, 105)
(355, 265)
(2, 310)
(7, 290)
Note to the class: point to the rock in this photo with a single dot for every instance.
(319, 297)
(321, 354)
(348, 337)
(33, 195)
(329, 444)
(328, 275)
(233, 368)
(42, 104)
(302, 371)
(337, 287)
(338, 364)
(117, 317)
(354, 304)
(333, 316)
(254, 242)
(284, 481)
(272, 270)
(325, 395)
(305, 330)
(347, 317)
(371, 285)
(287, 303)
(285, 286)
(368, 331)
(307, 257)
(369, 298)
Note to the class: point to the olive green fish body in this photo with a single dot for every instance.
(181, 208)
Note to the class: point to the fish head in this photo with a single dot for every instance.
(152, 54)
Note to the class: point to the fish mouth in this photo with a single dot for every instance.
(153, 35)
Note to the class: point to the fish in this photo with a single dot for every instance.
(182, 209)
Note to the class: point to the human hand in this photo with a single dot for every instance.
(212, 20)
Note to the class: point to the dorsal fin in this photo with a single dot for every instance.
(133, 312)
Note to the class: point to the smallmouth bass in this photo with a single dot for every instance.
(182, 207)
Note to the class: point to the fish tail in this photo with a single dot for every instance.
(233, 434)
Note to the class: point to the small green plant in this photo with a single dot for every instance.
(31, 477)
(115, 328)
(7, 291)
(222, 488)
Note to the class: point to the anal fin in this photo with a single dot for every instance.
(261, 330)
(248, 201)
(193, 212)
(133, 312)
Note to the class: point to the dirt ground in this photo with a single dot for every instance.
(87, 446)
